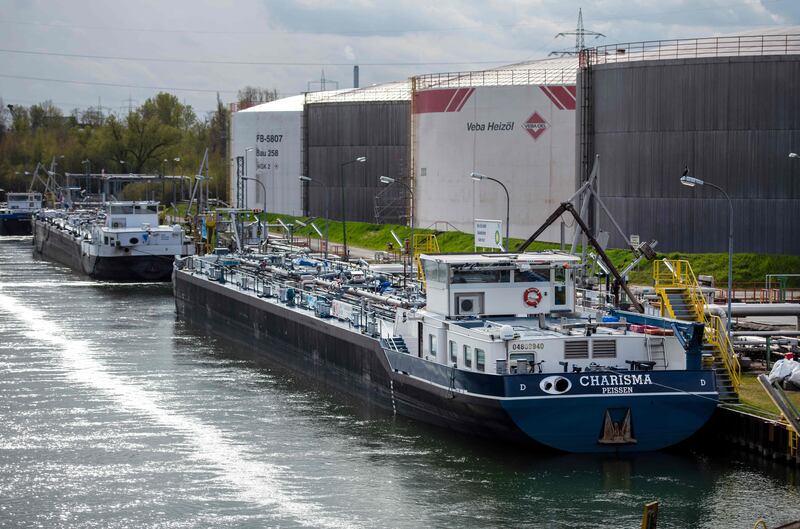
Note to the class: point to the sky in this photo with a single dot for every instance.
(116, 54)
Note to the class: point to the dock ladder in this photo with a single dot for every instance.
(681, 299)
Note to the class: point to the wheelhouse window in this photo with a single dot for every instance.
(467, 356)
(146, 208)
(481, 276)
(480, 359)
(120, 209)
(453, 352)
(531, 276)
(432, 345)
(435, 273)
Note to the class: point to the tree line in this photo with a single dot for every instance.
(161, 136)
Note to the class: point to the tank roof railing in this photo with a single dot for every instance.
(504, 77)
(732, 46)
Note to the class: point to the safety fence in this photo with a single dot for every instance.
(734, 46)
(500, 77)
(756, 292)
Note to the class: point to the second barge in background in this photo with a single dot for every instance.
(120, 241)
(15, 215)
(498, 349)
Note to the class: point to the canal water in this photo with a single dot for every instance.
(114, 414)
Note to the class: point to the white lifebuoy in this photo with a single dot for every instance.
(532, 296)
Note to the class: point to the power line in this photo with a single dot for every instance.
(240, 63)
(119, 85)
(241, 32)
(627, 15)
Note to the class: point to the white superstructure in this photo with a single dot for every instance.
(122, 229)
(517, 313)
(23, 202)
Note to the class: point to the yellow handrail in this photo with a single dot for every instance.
(424, 243)
(678, 273)
(717, 336)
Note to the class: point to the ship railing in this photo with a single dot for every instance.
(369, 318)
(588, 298)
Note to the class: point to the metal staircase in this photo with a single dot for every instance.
(680, 296)
(396, 343)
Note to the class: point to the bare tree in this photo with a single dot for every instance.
(251, 95)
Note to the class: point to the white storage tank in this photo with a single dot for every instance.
(270, 138)
(515, 124)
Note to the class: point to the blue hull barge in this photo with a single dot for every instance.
(495, 348)
(16, 213)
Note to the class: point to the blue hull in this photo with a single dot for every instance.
(597, 411)
(15, 223)
(591, 412)
(578, 425)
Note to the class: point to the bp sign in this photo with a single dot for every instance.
(489, 234)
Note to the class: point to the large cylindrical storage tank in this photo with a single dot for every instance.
(515, 124)
(269, 137)
(729, 109)
(341, 126)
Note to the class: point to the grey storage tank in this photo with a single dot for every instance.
(727, 107)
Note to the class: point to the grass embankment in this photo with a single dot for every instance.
(747, 267)
(757, 401)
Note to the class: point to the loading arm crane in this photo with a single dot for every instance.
(568, 207)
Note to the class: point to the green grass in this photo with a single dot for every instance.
(747, 267)
(756, 400)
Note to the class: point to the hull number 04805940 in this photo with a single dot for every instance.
(527, 346)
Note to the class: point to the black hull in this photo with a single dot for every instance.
(15, 226)
(58, 245)
(341, 360)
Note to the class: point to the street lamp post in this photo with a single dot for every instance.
(360, 159)
(175, 160)
(478, 177)
(691, 181)
(327, 207)
(87, 171)
(389, 180)
(246, 174)
(264, 190)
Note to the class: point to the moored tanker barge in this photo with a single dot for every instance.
(497, 348)
(120, 241)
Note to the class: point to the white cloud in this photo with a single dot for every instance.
(319, 31)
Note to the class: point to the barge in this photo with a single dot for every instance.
(498, 346)
(15, 214)
(120, 241)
